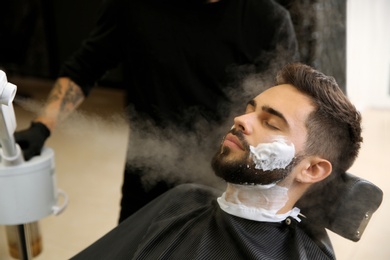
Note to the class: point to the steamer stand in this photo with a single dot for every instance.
(27, 188)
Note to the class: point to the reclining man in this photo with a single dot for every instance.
(291, 138)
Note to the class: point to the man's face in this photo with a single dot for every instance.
(267, 141)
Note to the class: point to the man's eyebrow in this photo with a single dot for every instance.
(274, 112)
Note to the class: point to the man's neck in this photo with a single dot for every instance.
(268, 197)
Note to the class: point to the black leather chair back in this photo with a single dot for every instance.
(343, 205)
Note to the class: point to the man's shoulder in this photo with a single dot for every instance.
(188, 197)
(195, 189)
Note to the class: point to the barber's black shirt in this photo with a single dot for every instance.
(180, 56)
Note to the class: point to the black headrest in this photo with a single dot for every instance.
(343, 205)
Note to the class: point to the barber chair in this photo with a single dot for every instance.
(343, 205)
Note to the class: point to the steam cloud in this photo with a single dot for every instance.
(171, 154)
(178, 156)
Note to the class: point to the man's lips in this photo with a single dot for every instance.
(233, 141)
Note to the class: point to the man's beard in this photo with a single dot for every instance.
(242, 170)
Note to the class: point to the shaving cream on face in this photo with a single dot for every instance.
(275, 155)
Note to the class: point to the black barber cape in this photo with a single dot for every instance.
(187, 223)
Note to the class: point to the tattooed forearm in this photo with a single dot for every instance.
(71, 98)
(56, 93)
(65, 97)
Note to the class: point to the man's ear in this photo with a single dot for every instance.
(314, 169)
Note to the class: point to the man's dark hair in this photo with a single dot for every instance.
(334, 127)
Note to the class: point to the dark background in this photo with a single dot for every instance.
(36, 36)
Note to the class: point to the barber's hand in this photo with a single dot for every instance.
(31, 140)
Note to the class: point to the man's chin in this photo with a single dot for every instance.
(241, 171)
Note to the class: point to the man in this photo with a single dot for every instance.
(179, 60)
(292, 137)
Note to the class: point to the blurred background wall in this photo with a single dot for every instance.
(38, 35)
(368, 53)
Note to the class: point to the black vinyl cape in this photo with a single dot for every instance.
(187, 223)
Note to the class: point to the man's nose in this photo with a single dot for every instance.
(244, 123)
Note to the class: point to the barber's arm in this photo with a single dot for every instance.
(98, 53)
(63, 99)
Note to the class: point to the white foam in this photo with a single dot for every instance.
(275, 155)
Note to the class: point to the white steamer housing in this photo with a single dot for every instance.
(27, 189)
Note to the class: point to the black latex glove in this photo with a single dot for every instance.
(31, 140)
